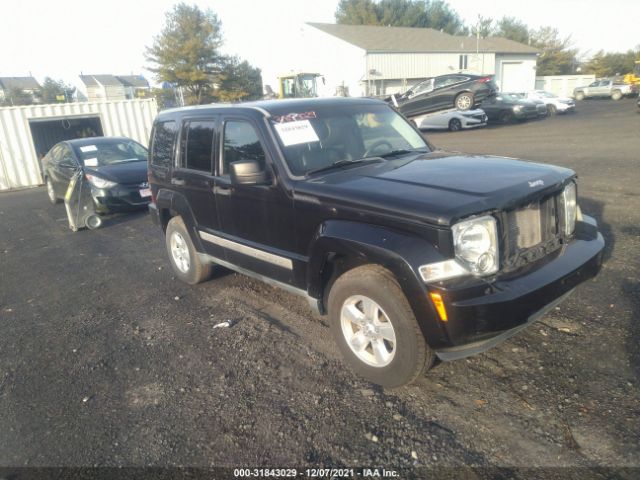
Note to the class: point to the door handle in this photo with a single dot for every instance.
(177, 181)
(223, 189)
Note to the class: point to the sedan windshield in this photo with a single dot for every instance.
(103, 153)
(509, 98)
(339, 136)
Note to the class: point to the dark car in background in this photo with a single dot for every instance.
(543, 111)
(507, 108)
(114, 167)
(460, 90)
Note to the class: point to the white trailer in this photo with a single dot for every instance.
(28, 132)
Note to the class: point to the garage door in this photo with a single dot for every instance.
(512, 78)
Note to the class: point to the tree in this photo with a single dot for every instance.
(16, 96)
(239, 81)
(55, 91)
(513, 29)
(557, 57)
(484, 26)
(609, 64)
(185, 53)
(434, 14)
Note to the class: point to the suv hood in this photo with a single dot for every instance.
(437, 188)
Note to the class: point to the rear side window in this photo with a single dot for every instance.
(198, 145)
(241, 142)
(163, 138)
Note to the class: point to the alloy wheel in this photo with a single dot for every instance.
(368, 331)
(180, 252)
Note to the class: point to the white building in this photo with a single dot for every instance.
(373, 60)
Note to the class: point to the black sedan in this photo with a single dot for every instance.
(114, 167)
(461, 91)
(506, 108)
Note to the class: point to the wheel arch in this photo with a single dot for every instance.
(171, 204)
(340, 246)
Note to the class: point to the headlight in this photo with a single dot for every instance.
(475, 243)
(570, 200)
(517, 108)
(100, 182)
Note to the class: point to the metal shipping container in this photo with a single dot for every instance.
(28, 132)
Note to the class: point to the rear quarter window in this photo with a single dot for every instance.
(164, 136)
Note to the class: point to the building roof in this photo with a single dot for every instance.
(105, 80)
(374, 38)
(133, 81)
(22, 83)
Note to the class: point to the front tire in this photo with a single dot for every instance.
(551, 110)
(464, 101)
(375, 328)
(580, 96)
(182, 254)
(51, 193)
(506, 117)
(455, 125)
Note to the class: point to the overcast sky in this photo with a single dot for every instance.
(61, 38)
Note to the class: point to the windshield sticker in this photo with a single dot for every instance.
(294, 133)
(88, 148)
(91, 162)
(293, 117)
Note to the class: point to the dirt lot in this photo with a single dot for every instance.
(105, 359)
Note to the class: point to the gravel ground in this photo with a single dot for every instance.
(106, 359)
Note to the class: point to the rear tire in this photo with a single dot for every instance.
(580, 96)
(363, 338)
(183, 256)
(616, 95)
(464, 101)
(51, 193)
(455, 125)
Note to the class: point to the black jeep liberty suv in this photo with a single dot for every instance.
(413, 252)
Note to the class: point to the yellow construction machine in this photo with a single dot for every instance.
(298, 85)
(633, 78)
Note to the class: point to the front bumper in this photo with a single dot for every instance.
(525, 114)
(118, 198)
(566, 107)
(475, 121)
(154, 214)
(483, 314)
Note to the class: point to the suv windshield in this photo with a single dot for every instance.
(313, 140)
(104, 153)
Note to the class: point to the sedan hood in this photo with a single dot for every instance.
(437, 188)
(123, 173)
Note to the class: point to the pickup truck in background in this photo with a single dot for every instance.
(605, 87)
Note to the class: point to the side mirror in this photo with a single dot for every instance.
(248, 172)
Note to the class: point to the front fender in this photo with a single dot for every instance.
(399, 252)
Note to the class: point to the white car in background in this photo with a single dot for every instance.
(452, 120)
(554, 103)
